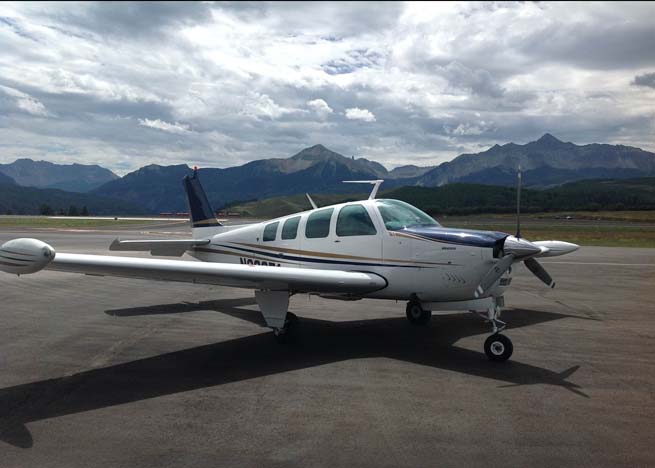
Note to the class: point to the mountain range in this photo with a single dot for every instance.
(69, 177)
(463, 198)
(16, 199)
(546, 162)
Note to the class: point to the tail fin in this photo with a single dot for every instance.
(200, 211)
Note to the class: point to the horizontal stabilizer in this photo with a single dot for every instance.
(163, 247)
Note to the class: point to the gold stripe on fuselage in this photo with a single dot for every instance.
(334, 255)
(241, 255)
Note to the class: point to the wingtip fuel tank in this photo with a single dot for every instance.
(24, 256)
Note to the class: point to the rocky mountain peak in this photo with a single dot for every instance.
(548, 139)
(316, 153)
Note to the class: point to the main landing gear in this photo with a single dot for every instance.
(416, 315)
(287, 333)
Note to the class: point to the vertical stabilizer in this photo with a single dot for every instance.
(200, 211)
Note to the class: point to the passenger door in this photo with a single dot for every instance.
(357, 239)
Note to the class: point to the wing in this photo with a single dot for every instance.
(172, 248)
(25, 256)
(246, 276)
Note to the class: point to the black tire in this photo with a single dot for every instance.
(289, 333)
(416, 315)
(498, 347)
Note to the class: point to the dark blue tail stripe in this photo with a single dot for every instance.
(200, 210)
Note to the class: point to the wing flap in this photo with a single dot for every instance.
(160, 247)
(246, 276)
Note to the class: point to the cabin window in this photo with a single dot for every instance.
(290, 228)
(318, 224)
(353, 220)
(269, 231)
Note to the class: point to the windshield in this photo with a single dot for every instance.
(399, 215)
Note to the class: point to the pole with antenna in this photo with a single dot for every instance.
(518, 203)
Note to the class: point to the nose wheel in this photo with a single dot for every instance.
(416, 315)
(498, 347)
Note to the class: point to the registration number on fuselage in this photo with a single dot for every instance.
(250, 261)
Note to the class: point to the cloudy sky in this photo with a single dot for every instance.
(219, 84)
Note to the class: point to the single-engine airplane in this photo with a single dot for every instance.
(374, 248)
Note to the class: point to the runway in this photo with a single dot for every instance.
(118, 372)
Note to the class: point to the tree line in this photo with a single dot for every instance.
(47, 210)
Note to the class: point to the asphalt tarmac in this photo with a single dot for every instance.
(130, 373)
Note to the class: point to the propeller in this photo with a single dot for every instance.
(514, 248)
(535, 267)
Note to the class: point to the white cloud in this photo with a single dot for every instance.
(225, 83)
(262, 106)
(165, 126)
(470, 129)
(25, 102)
(321, 108)
(355, 113)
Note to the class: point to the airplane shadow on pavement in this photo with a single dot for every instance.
(320, 342)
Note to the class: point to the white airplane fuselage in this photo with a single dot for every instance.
(430, 263)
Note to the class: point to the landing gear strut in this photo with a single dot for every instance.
(286, 333)
(416, 315)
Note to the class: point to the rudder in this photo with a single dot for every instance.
(200, 211)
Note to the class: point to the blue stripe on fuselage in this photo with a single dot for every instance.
(468, 237)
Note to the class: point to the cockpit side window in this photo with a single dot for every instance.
(270, 231)
(398, 215)
(318, 224)
(353, 220)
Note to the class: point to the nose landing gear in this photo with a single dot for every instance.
(497, 347)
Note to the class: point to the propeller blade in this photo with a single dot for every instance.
(494, 274)
(537, 270)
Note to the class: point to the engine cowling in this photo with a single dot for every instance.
(24, 256)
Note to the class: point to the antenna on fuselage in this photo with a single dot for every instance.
(518, 203)
(311, 201)
(376, 185)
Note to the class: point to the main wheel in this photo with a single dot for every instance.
(288, 333)
(416, 315)
(498, 347)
